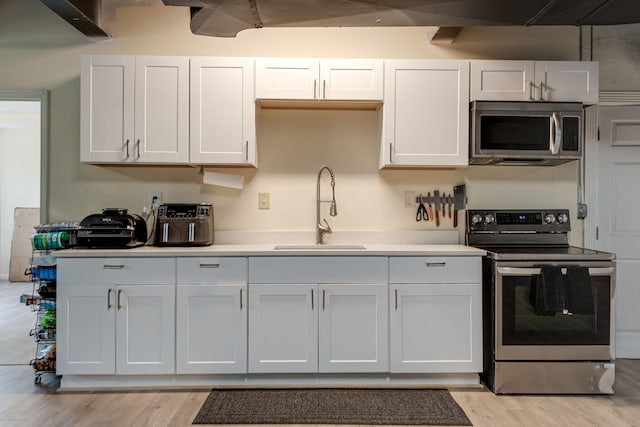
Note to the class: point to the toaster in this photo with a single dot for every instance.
(184, 224)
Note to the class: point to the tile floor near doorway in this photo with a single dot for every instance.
(22, 403)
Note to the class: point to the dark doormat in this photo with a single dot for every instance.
(332, 406)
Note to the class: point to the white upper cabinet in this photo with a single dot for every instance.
(567, 81)
(425, 113)
(223, 125)
(319, 79)
(134, 109)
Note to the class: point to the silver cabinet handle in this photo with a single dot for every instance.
(531, 86)
(118, 301)
(323, 297)
(312, 300)
(126, 147)
(113, 266)
(324, 89)
(314, 88)
(138, 149)
(246, 150)
(436, 264)
(541, 98)
(391, 152)
(165, 232)
(109, 299)
(205, 265)
(241, 299)
(395, 291)
(191, 231)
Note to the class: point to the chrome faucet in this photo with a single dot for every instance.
(333, 211)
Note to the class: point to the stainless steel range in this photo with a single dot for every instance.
(548, 306)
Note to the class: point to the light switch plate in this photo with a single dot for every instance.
(264, 201)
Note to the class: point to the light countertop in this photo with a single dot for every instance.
(262, 249)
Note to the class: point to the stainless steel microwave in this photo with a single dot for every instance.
(525, 133)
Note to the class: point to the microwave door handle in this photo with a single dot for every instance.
(555, 133)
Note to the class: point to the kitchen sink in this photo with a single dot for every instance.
(295, 247)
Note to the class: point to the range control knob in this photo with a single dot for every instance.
(549, 218)
(476, 219)
(563, 218)
(489, 219)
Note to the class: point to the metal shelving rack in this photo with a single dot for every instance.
(43, 273)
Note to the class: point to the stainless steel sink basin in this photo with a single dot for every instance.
(296, 247)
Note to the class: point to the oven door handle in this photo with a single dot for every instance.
(520, 271)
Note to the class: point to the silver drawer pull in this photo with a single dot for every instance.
(113, 266)
(436, 264)
(209, 265)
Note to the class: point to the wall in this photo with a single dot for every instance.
(19, 185)
(292, 145)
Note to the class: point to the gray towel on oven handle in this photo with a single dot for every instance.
(551, 286)
(579, 294)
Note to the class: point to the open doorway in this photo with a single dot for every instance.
(23, 161)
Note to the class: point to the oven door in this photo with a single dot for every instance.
(523, 333)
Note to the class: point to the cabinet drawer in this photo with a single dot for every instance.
(116, 271)
(212, 270)
(435, 270)
(322, 269)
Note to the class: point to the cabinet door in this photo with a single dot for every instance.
(425, 113)
(211, 324)
(283, 328)
(503, 81)
(161, 110)
(287, 78)
(353, 328)
(107, 109)
(223, 125)
(436, 328)
(351, 79)
(145, 325)
(86, 329)
(570, 81)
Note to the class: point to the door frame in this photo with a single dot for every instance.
(41, 96)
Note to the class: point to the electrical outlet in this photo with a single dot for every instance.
(264, 200)
(155, 198)
(409, 199)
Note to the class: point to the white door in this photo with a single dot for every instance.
(432, 328)
(161, 109)
(425, 113)
(86, 330)
(617, 216)
(572, 81)
(353, 328)
(145, 326)
(502, 81)
(223, 124)
(351, 79)
(287, 78)
(211, 329)
(107, 109)
(283, 328)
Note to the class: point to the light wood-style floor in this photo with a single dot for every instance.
(22, 403)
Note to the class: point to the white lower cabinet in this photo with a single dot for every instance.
(318, 328)
(318, 314)
(283, 328)
(211, 315)
(435, 317)
(107, 325)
